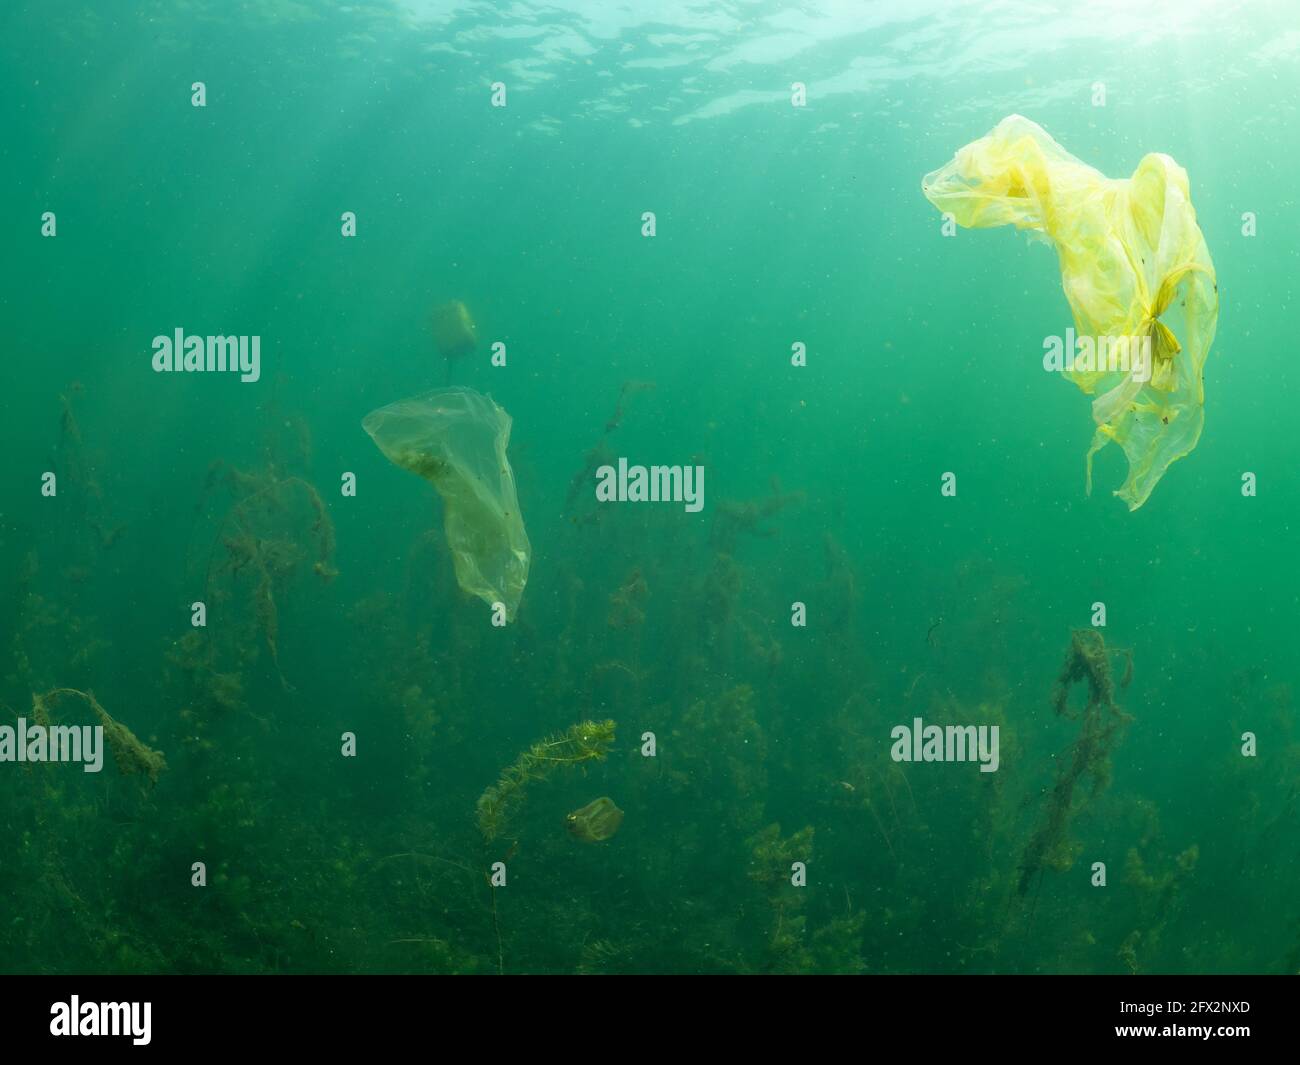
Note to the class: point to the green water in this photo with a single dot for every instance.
(774, 225)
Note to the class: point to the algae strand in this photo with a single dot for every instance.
(129, 754)
(584, 742)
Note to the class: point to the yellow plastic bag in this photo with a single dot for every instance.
(1136, 272)
(456, 439)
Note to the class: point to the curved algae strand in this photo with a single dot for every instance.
(583, 742)
(129, 754)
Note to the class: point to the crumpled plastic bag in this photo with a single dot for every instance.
(456, 439)
(1133, 264)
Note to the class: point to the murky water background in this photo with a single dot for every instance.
(775, 225)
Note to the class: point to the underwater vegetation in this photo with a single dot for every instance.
(1088, 757)
(584, 742)
(579, 501)
(130, 755)
(263, 544)
(767, 829)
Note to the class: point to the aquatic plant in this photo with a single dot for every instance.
(837, 945)
(580, 500)
(78, 469)
(1101, 722)
(129, 754)
(54, 633)
(627, 604)
(584, 742)
(1158, 901)
(270, 526)
(771, 859)
(720, 760)
(1087, 661)
(734, 518)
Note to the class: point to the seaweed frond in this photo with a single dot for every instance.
(129, 754)
(584, 742)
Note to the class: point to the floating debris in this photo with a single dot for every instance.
(596, 821)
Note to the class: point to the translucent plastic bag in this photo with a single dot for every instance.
(456, 440)
(1134, 267)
